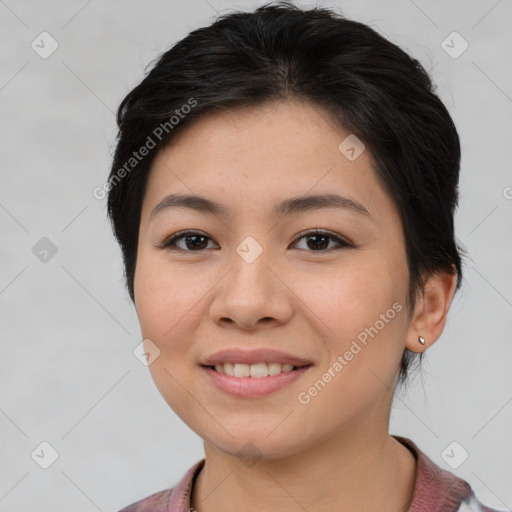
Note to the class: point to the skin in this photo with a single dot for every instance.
(295, 298)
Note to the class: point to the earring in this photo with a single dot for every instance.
(421, 339)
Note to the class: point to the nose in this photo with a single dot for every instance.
(251, 295)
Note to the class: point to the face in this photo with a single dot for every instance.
(251, 276)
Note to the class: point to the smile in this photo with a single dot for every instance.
(257, 370)
(255, 380)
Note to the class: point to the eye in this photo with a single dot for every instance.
(195, 241)
(321, 240)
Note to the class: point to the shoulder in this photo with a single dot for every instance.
(439, 490)
(157, 502)
(472, 504)
(175, 499)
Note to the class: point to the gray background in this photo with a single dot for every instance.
(68, 375)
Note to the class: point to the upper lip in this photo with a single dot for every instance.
(234, 355)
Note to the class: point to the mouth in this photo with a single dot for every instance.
(255, 371)
(255, 380)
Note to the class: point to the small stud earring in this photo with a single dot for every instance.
(421, 339)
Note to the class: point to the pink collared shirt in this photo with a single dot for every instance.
(435, 490)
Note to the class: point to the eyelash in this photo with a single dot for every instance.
(170, 243)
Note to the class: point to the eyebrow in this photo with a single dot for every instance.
(285, 207)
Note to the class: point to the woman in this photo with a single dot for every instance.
(283, 191)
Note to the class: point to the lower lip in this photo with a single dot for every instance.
(249, 387)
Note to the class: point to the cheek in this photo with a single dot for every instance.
(349, 298)
(167, 298)
(168, 303)
(360, 313)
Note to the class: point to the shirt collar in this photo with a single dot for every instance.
(435, 489)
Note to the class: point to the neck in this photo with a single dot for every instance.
(360, 471)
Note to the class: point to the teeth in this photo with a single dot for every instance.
(241, 370)
(257, 370)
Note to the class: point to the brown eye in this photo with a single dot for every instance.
(193, 241)
(318, 240)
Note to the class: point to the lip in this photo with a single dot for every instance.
(254, 387)
(253, 357)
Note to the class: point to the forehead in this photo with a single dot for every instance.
(274, 151)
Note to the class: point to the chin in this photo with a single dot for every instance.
(251, 448)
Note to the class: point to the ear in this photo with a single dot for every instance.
(431, 311)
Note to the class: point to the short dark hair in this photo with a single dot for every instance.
(279, 52)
